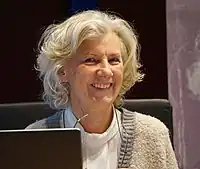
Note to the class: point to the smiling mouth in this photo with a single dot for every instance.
(102, 86)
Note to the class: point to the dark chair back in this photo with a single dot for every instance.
(19, 115)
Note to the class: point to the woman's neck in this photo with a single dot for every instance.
(98, 119)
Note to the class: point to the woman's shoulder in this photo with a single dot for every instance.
(146, 123)
(152, 145)
(150, 122)
(40, 124)
(53, 121)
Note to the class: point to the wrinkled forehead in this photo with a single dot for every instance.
(106, 45)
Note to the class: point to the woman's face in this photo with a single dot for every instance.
(95, 72)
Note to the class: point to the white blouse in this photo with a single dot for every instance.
(100, 151)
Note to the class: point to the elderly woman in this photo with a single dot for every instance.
(87, 63)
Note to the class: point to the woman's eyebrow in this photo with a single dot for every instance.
(90, 53)
(115, 54)
(107, 54)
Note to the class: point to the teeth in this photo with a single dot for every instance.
(101, 86)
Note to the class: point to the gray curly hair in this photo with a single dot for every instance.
(60, 41)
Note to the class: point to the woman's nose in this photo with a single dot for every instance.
(105, 70)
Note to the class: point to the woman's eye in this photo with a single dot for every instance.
(114, 60)
(90, 60)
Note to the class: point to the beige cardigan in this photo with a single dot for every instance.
(152, 147)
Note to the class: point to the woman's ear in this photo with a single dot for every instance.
(62, 74)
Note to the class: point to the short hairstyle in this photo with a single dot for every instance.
(59, 41)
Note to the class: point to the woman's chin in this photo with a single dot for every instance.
(103, 99)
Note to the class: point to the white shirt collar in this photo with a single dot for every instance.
(93, 140)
